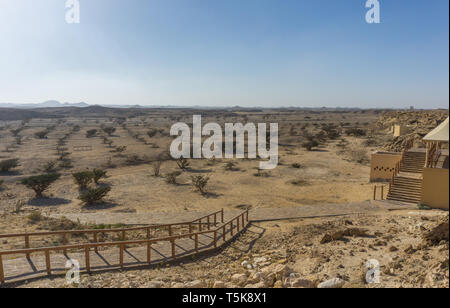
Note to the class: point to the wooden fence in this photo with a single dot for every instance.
(239, 223)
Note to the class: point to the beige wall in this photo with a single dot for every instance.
(382, 165)
(399, 130)
(435, 188)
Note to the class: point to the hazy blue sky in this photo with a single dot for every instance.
(226, 52)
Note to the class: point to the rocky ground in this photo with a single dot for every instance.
(411, 248)
(418, 125)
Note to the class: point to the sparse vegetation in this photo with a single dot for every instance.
(98, 174)
(183, 163)
(94, 195)
(156, 166)
(109, 130)
(40, 183)
(91, 133)
(200, 182)
(83, 178)
(171, 178)
(7, 165)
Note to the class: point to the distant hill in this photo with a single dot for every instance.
(46, 104)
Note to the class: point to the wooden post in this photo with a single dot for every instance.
(27, 244)
(173, 248)
(215, 239)
(215, 220)
(224, 232)
(149, 251)
(375, 192)
(47, 262)
(170, 230)
(238, 227)
(231, 228)
(123, 236)
(247, 215)
(382, 192)
(200, 225)
(88, 263)
(196, 243)
(222, 216)
(207, 221)
(243, 222)
(148, 233)
(190, 228)
(122, 248)
(95, 241)
(2, 274)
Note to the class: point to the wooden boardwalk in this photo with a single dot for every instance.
(94, 257)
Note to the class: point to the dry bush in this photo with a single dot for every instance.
(109, 130)
(359, 156)
(83, 179)
(42, 134)
(49, 167)
(200, 182)
(171, 178)
(91, 133)
(183, 163)
(40, 183)
(7, 165)
(299, 181)
(230, 166)
(98, 174)
(156, 166)
(94, 195)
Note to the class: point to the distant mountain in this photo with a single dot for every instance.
(47, 104)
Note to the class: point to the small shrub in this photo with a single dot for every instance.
(230, 166)
(49, 167)
(40, 183)
(296, 165)
(109, 130)
(183, 163)
(91, 133)
(35, 217)
(309, 145)
(200, 182)
(171, 178)
(94, 195)
(7, 165)
(157, 168)
(299, 182)
(42, 134)
(359, 156)
(83, 179)
(356, 132)
(1, 183)
(98, 174)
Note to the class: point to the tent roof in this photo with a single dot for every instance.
(440, 133)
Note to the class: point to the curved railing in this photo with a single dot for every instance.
(239, 223)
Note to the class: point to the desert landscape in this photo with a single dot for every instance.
(312, 219)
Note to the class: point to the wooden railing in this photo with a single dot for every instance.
(239, 223)
(375, 188)
(409, 144)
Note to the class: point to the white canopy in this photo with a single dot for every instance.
(440, 133)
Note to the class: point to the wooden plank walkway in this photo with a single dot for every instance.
(17, 268)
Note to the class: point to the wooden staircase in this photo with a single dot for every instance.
(413, 162)
(406, 185)
(405, 189)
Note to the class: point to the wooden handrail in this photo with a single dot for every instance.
(123, 231)
(243, 217)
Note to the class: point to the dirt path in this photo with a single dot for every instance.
(259, 214)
